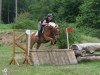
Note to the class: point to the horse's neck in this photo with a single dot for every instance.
(48, 31)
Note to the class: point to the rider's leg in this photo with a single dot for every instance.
(40, 32)
(39, 29)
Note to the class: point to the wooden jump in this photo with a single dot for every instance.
(55, 57)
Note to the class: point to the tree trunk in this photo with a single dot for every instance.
(0, 10)
(88, 47)
(16, 9)
(8, 11)
(79, 59)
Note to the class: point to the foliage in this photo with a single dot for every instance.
(66, 9)
(74, 36)
(90, 13)
(8, 9)
(40, 8)
(62, 10)
(86, 12)
(25, 21)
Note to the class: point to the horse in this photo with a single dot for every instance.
(50, 33)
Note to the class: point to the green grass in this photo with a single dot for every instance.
(84, 68)
(5, 26)
(85, 38)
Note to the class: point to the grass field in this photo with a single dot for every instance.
(84, 68)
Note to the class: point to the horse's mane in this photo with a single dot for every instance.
(50, 30)
(51, 27)
(53, 24)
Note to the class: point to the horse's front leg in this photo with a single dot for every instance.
(38, 45)
(31, 45)
(53, 42)
(32, 42)
(48, 38)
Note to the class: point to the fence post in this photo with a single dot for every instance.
(4, 71)
(28, 32)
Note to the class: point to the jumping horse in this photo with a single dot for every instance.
(50, 33)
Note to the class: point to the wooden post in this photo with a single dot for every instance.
(67, 40)
(26, 49)
(28, 34)
(14, 61)
(27, 58)
(68, 30)
(4, 71)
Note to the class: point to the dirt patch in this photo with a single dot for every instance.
(6, 38)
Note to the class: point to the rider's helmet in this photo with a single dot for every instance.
(49, 15)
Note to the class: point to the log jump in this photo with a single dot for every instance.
(93, 57)
(83, 51)
(88, 47)
(54, 56)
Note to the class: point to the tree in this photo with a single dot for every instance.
(90, 14)
(66, 10)
(16, 12)
(8, 8)
(0, 10)
(40, 8)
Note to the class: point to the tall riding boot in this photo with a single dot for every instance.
(39, 36)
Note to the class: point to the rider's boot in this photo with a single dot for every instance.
(39, 36)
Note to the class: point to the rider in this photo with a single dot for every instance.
(42, 23)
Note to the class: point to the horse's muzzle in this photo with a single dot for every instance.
(57, 37)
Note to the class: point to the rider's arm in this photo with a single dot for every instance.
(44, 23)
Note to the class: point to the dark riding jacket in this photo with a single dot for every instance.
(47, 21)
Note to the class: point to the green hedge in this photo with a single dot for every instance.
(74, 36)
